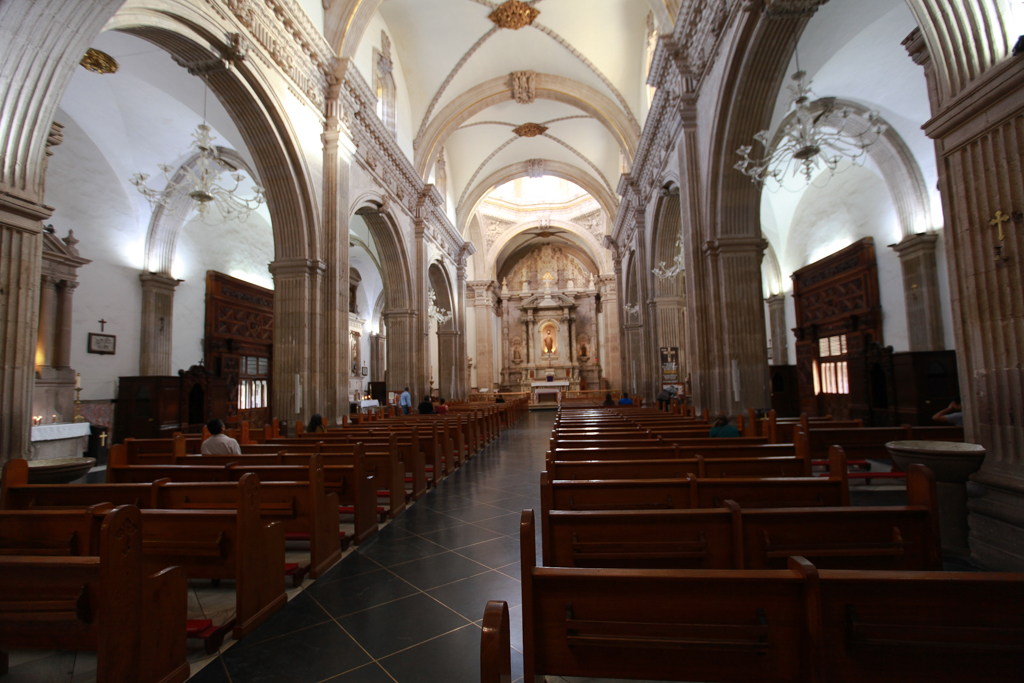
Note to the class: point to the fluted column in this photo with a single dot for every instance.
(611, 364)
(402, 328)
(157, 322)
(483, 303)
(297, 322)
(461, 355)
(335, 354)
(777, 321)
(65, 318)
(979, 175)
(47, 322)
(921, 291)
(447, 350)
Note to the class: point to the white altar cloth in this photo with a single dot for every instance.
(60, 430)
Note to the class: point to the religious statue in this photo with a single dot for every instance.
(549, 341)
(517, 353)
(583, 348)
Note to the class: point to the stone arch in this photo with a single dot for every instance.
(250, 100)
(497, 90)
(447, 332)
(512, 259)
(166, 223)
(512, 172)
(592, 249)
(899, 168)
(393, 261)
(668, 227)
(772, 269)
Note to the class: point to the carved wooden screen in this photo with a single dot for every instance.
(239, 344)
(838, 314)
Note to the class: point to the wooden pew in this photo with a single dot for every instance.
(869, 442)
(207, 544)
(354, 484)
(799, 624)
(100, 600)
(304, 507)
(691, 492)
(904, 538)
(701, 467)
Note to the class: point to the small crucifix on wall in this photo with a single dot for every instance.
(103, 324)
(998, 221)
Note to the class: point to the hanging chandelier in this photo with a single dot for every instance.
(632, 309)
(440, 315)
(200, 181)
(819, 138)
(664, 273)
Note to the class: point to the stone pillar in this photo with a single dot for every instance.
(47, 322)
(483, 303)
(296, 385)
(921, 291)
(65, 317)
(20, 264)
(462, 382)
(447, 350)
(979, 175)
(334, 356)
(777, 321)
(157, 320)
(611, 364)
(402, 328)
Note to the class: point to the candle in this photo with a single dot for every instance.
(78, 380)
(54, 419)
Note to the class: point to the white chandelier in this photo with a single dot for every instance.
(200, 181)
(818, 138)
(632, 309)
(440, 315)
(664, 273)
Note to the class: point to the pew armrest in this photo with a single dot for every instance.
(496, 644)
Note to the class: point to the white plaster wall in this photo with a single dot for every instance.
(364, 63)
(241, 250)
(853, 205)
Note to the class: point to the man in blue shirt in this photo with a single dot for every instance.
(625, 400)
(405, 401)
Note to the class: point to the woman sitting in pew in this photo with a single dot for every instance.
(608, 401)
(316, 425)
(722, 428)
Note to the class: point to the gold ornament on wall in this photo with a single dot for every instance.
(99, 62)
(530, 130)
(514, 15)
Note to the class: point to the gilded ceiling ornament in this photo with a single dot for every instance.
(514, 15)
(99, 62)
(530, 130)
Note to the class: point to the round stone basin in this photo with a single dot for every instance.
(58, 470)
(951, 461)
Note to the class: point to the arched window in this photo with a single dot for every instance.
(652, 44)
(385, 84)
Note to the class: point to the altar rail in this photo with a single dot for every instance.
(491, 397)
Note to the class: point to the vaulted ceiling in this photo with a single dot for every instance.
(588, 90)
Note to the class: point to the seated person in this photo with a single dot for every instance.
(442, 409)
(953, 414)
(499, 399)
(218, 443)
(722, 428)
(625, 400)
(425, 407)
(665, 397)
(608, 401)
(316, 425)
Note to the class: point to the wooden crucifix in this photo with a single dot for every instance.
(103, 324)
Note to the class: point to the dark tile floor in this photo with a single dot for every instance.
(405, 606)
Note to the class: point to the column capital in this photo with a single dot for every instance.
(162, 281)
(914, 245)
(297, 267)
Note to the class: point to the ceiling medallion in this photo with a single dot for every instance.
(99, 62)
(530, 130)
(514, 15)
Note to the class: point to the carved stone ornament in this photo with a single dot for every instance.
(523, 86)
(99, 62)
(514, 15)
(535, 168)
(530, 130)
(791, 8)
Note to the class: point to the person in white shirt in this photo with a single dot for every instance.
(405, 401)
(219, 444)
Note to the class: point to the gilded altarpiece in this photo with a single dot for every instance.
(549, 324)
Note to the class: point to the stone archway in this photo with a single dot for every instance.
(447, 332)
(667, 314)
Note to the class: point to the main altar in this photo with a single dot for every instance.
(549, 327)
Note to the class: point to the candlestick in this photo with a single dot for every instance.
(78, 380)
(54, 418)
(78, 403)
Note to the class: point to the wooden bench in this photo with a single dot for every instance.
(235, 545)
(692, 492)
(905, 538)
(101, 599)
(354, 484)
(701, 467)
(303, 507)
(799, 624)
(720, 449)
